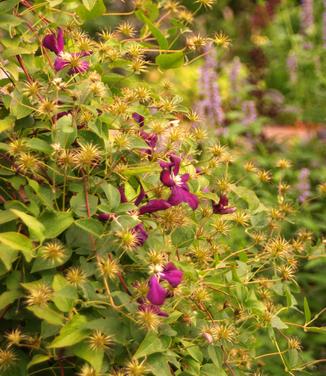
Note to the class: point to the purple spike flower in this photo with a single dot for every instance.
(154, 206)
(210, 105)
(304, 187)
(55, 43)
(156, 294)
(172, 274)
(140, 233)
(222, 206)
(177, 183)
(307, 15)
(249, 112)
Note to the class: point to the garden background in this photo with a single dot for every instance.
(162, 187)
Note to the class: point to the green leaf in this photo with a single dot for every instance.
(170, 61)
(307, 312)
(89, 4)
(8, 297)
(7, 257)
(249, 196)
(112, 194)
(94, 358)
(64, 133)
(91, 226)
(19, 109)
(78, 204)
(35, 227)
(6, 216)
(151, 344)
(37, 359)
(163, 43)
(8, 19)
(7, 5)
(65, 295)
(48, 314)
(159, 365)
(39, 145)
(55, 223)
(18, 242)
(43, 193)
(183, 236)
(7, 123)
(97, 10)
(277, 323)
(193, 350)
(71, 333)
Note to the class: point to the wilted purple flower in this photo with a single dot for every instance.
(222, 206)
(171, 274)
(104, 217)
(303, 186)
(140, 233)
(149, 138)
(249, 112)
(307, 15)
(55, 43)
(154, 206)
(145, 307)
(138, 118)
(177, 183)
(210, 105)
(156, 293)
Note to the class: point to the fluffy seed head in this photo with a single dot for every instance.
(109, 268)
(221, 39)
(39, 295)
(99, 341)
(14, 337)
(134, 368)
(87, 370)
(27, 162)
(53, 251)
(148, 319)
(7, 359)
(88, 155)
(224, 332)
(75, 276)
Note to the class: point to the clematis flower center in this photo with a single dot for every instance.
(156, 269)
(177, 179)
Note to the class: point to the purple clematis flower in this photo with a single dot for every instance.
(140, 233)
(55, 43)
(145, 307)
(154, 206)
(222, 206)
(177, 183)
(156, 294)
(104, 217)
(172, 274)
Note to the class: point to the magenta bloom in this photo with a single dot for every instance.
(141, 234)
(177, 183)
(222, 206)
(104, 217)
(172, 274)
(154, 206)
(145, 307)
(55, 43)
(156, 294)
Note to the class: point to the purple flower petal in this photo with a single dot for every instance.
(104, 217)
(140, 197)
(123, 197)
(141, 234)
(145, 307)
(138, 118)
(166, 178)
(154, 206)
(149, 138)
(176, 161)
(222, 206)
(172, 274)
(156, 294)
(179, 195)
(60, 64)
(53, 42)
